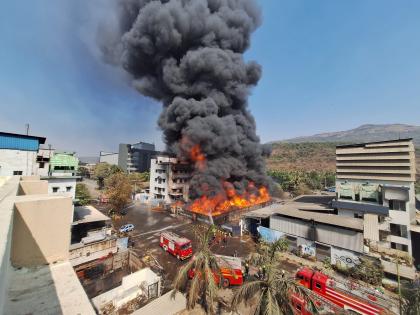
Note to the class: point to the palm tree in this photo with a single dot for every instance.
(411, 295)
(203, 287)
(273, 292)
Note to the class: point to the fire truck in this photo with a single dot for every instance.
(230, 271)
(335, 295)
(178, 246)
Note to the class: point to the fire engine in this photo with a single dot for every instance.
(230, 271)
(336, 296)
(176, 245)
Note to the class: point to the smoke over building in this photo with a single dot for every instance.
(188, 54)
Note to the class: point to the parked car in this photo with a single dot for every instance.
(126, 228)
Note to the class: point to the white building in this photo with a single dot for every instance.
(43, 160)
(375, 182)
(108, 157)
(62, 174)
(169, 179)
(18, 154)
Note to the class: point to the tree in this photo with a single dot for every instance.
(139, 179)
(411, 295)
(82, 194)
(368, 271)
(118, 190)
(102, 171)
(272, 293)
(83, 171)
(203, 287)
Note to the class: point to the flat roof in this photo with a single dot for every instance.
(374, 142)
(330, 219)
(41, 140)
(307, 208)
(52, 289)
(86, 214)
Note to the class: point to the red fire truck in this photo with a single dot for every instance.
(176, 245)
(230, 271)
(337, 296)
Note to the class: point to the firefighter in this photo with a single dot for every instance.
(263, 271)
(246, 269)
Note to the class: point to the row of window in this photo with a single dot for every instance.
(55, 189)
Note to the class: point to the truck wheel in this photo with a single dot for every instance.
(225, 283)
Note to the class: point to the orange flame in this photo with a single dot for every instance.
(229, 200)
(198, 157)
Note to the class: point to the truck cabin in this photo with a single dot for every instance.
(298, 304)
(304, 277)
(315, 281)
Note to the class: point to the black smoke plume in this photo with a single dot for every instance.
(188, 54)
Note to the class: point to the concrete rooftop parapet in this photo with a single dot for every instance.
(33, 187)
(8, 189)
(52, 289)
(41, 230)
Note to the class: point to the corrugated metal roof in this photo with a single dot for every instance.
(11, 142)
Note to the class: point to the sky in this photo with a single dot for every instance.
(328, 65)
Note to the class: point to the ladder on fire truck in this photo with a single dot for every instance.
(330, 306)
(365, 293)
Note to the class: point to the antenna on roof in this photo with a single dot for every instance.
(27, 129)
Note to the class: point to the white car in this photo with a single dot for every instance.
(126, 228)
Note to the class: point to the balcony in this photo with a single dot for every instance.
(361, 206)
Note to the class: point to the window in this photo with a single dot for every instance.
(317, 285)
(68, 188)
(397, 205)
(358, 216)
(55, 189)
(298, 307)
(17, 172)
(41, 164)
(398, 246)
(398, 230)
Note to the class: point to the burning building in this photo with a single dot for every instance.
(169, 179)
(188, 55)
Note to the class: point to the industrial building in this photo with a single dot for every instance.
(135, 157)
(373, 213)
(169, 179)
(18, 154)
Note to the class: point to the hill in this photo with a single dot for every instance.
(365, 133)
(302, 156)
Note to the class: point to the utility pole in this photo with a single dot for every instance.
(27, 129)
(399, 285)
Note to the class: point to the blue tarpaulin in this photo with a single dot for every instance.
(269, 235)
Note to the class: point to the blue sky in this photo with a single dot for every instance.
(327, 65)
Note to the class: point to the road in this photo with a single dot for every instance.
(150, 223)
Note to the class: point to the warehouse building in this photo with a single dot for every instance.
(18, 154)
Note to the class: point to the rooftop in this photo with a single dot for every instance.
(52, 289)
(376, 142)
(41, 140)
(308, 208)
(86, 214)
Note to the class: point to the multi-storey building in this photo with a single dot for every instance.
(169, 179)
(373, 213)
(375, 182)
(18, 154)
(135, 157)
